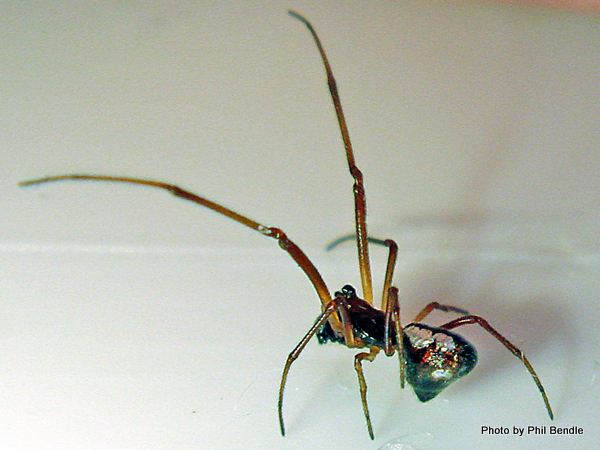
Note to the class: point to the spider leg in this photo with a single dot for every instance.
(465, 320)
(393, 311)
(338, 304)
(435, 305)
(351, 237)
(284, 242)
(374, 351)
(360, 203)
(391, 264)
(389, 272)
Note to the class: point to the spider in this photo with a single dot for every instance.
(430, 358)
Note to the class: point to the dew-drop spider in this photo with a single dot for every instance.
(430, 358)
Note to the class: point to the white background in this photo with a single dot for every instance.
(132, 320)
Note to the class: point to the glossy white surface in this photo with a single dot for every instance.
(132, 320)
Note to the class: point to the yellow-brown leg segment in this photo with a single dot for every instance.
(284, 242)
(435, 305)
(360, 202)
(294, 355)
(392, 312)
(389, 271)
(374, 351)
(338, 304)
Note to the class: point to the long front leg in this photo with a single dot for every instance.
(360, 202)
(284, 242)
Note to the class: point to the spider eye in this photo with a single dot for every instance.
(348, 291)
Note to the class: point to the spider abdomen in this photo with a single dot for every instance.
(435, 358)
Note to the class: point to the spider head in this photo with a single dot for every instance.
(435, 358)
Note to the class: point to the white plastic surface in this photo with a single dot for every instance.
(132, 320)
